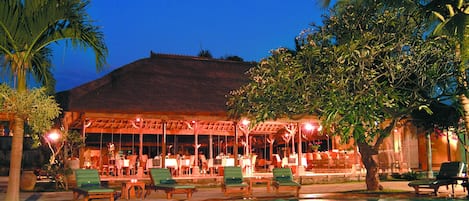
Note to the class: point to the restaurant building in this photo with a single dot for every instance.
(167, 107)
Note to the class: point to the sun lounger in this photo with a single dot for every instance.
(283, 179)
(233, 181)
(449, 174)
(89, 185)
(161, 179)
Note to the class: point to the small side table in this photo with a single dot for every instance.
(254, 180)
(133, 189)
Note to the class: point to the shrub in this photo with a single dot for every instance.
(410, 175)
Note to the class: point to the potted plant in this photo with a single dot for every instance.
(28, 180)
(314, 146)
(28, 176)
(32, 161)
(73, 144)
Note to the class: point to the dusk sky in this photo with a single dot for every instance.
(245, 28)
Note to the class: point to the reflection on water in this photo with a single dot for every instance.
(344, 197)
(382, 199)
(361, 199)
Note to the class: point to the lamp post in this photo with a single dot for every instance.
(291, 131)
(194, 126)
(286, 138)
(244, 127)
(308, 127)
(138, 124)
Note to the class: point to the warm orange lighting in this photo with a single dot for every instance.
(309, 127)
(245, 122)
(54, 135)
(138, 119)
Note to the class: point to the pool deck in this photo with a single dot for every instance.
(333, 191)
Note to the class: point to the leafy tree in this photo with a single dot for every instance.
(452, 19)
(361, 72)
(205, 54)
(35, 106)
(27, 29)
(74, 141)
(233, 58)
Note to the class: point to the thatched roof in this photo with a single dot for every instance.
(161, 84)
(163, 88)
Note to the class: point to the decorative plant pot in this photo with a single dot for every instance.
(28, 180)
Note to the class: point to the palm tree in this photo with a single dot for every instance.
(27, 30)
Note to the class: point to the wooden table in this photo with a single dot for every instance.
(133, 189)
(253, 180)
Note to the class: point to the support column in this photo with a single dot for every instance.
(293, 143)
(429, 156)
(163, 145)
(235, 146)
(140, 147)
(246, 146)
(210, 146)
(448, 144)
(140, 132)
(196, 169)
(86, 124)
(301, 168)
(271, 148)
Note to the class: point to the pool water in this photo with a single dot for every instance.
(346, 197)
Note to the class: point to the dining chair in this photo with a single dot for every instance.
(133, 164)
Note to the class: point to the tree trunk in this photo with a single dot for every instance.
(13, 191)
(465, 105)
(370, 160)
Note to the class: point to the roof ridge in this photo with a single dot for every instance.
(154, 55)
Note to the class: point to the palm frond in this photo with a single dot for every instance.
(439, 16)
(29, 27)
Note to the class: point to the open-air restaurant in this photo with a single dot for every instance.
(118, 154)
(139, 119)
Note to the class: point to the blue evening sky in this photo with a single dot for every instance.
(245, 28)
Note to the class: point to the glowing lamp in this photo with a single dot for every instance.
(54, 135)
(309, 127)
(245, 122)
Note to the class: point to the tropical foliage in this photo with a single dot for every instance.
(363, 71)
(448, 18)
(28, 28)
(452, 18)
(38, 108)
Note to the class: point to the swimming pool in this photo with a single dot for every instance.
(347, 197)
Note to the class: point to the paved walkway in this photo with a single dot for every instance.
(308, 192)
